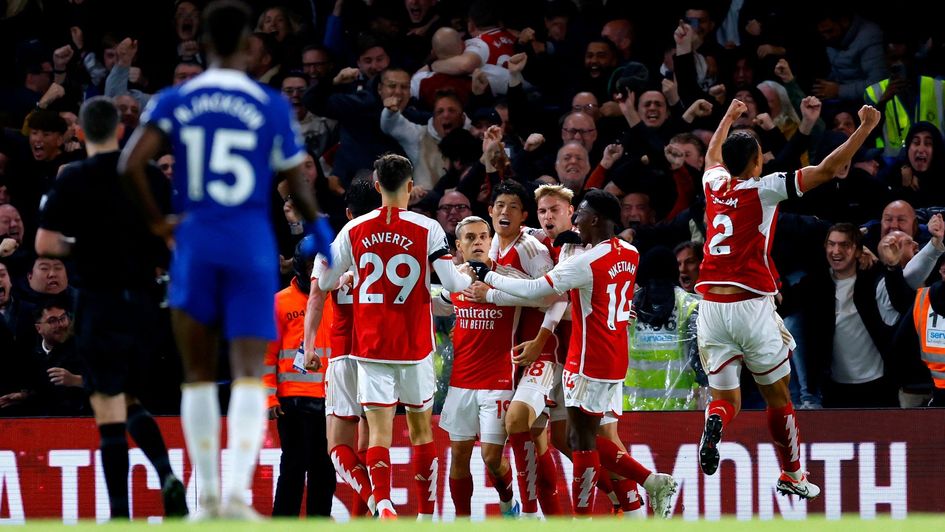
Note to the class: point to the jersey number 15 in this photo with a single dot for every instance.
(223, 160)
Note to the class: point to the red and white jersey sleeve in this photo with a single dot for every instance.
(740, 230)
(494, 47)
(391, 250)
(342, 321)
(482, 345)
(601, 282)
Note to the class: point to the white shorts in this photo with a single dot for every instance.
(596, 398)
(382, 385)
(535, 386)
(747, 332)
(341, 389)
(556, 409)
(470, 413)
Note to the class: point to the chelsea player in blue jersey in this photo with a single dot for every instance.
(229, 135)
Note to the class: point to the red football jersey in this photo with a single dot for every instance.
(526, 258)
(495, 47)
(391, 250)
(482, 345)
(601, 282)
(740, 229)
(342, 323)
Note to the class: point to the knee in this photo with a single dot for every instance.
(492, 460)
(516, 420)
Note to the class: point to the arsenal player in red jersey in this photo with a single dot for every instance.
(600, 282)
(393, 251)
(738, 324)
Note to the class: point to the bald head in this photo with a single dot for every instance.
(447, 43)
(899, 216)
(619, 32)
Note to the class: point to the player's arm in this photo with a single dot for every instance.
(713, 156)
(812, 176)
(53, 243)
(314, 308)
(442, 304)
(144, 145)
(525, 288)
(451, 278)
(340, 263)
(459, 65)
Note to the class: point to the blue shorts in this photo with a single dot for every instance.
(234, 290)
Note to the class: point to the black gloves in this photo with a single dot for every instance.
(480, 268)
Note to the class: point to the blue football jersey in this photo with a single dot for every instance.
(229, 135)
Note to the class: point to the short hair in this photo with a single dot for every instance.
(559, 191)
(696, 248)
(46, 120)
(484, 13)
(447, 93)
(225, 23)
(99, 118)
(606, 42)
(317, 48)
(605, 204)
(366, 41)
(460, 145)
(391, 69)
(468, 221)
(48, 303)
(510, 187)
(739, 150)
(361, 197)
(392, 171)
(848, 229)
(688, 138)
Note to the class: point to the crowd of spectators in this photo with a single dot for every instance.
(586, 93)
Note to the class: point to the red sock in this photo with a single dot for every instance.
(787, 439)
(621, 463)
(425, 469)
(378, 464)
(503, 485)
(586, 473)
(360, 504)
(523, 449)
(548, 485)
(351, 470)
(627, 494)
(723, 408)
(461, 489)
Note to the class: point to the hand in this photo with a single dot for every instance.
(276, 412)
(53, 93)
(766, 49)
(188, 49)
(894, 87)
(480, 82)
(628, 106)
(890, 250)
(516, 63)
(126, 50)
(417, 194)
(735, 109)
(318, 238)
(291, 213)
(8, 246)
(11, 399)
(134, 75)
(63, 377)
(530, 351)
(866, 260)
(285, 265)
(62, 56)
(783, 71)
(718, 92)
(683, 37)
(753, 28)
(312, 361)
(476, 292)
(869, 117)
(674, 156)
(764, 120)
(347, 75)
(480, 269)
(699, 109)
(870, 167)
(78, 39)
(936, 227)
(392, 103)
(612, 153)
(526, 36)
(347, 279)
(909, 180)
(335, 186)
(533, 142)
(670, 91)
(810, 108)
(826, 90)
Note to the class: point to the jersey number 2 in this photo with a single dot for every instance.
(722, 223)
(617, 312)
(405, 282)
(222, 161)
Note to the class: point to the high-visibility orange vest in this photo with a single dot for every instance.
(281, 379)
(931, 329)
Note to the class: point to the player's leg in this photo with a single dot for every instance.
(110, 417)
(292, 467)
(782, 423)
(416, 384)
(461, 482)
(377, 393)
(460, 419)
(492, 407)
(200, 404)
(343, 416)
(527, 404)
(546, 468)
(582, 431)
(623, 491)
(145, 432)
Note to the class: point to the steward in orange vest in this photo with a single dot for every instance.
(297, 402)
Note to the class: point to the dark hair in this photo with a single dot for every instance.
(688, 138)
(99, 119)
(605, 204)
(460, 145)
(606, 42)
(484, 13)
(46, 120)
(739, 150)
(366, 41)
(49, 302)
(696, 248)
(361, 197)
(848, 229)
(512, 188)
(390, 69)
(392, 171)
(225, 22)
(447, 93)
(317, 48)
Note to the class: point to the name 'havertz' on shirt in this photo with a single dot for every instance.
(393, 238)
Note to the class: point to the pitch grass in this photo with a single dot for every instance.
(851, 523)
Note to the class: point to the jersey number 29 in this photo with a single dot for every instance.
(379, 270)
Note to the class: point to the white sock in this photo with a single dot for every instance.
(200, 417)
(245, 423)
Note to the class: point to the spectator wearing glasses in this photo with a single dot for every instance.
(318, 132)
(580, 127)
(317, 64)
(452, 208)
(58, 385)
